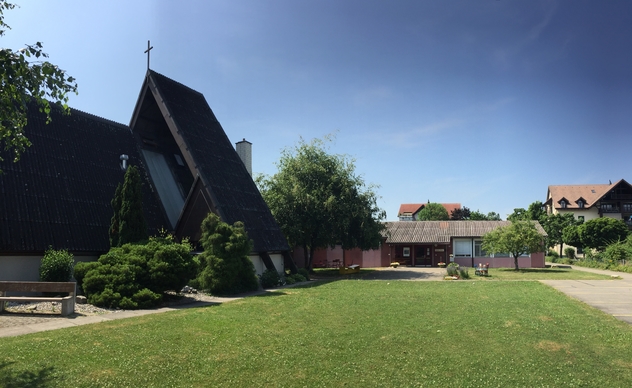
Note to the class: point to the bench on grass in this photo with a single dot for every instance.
(25, 289)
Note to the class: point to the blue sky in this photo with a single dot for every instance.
(482, 102)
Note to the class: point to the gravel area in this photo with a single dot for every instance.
(17, 314)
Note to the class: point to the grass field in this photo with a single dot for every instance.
(344, 333)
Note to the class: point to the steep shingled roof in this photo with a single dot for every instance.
(233, 192)
(59, 193)
(425, 232)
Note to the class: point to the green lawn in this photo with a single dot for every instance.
(344, 333)
(539, 274)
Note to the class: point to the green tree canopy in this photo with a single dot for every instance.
(319, 201)
(554, 225)
(433, 212)
(25, 76)
(518, 238)
(600, 232)
(462, 213)
(571, 236)
(478, 216)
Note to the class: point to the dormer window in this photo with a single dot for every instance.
(563, 204)
(580, 204)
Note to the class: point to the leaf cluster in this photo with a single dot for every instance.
(433, 212)
(25, 76)
(128, 223)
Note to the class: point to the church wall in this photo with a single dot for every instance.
(260, 267)
(26, 268)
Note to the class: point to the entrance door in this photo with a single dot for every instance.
(422, 255)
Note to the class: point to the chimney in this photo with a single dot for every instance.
(244, 150)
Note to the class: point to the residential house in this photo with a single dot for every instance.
(58, 195)
(588, 202)
(409, 211)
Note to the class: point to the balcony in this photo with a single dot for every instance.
(609, 209)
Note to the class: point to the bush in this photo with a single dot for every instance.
(81, 269)
(270, 279)
(136, 275)
(553, 255)
(464, 273)
(616, 254)
(56, 266)
(304, 272)
(227, 269)
(289, 280)
(569, 252)
(452, 269)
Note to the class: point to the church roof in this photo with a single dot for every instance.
(58, 194)
(211, 159)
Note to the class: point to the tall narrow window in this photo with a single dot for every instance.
(580, 203)
(563, 204)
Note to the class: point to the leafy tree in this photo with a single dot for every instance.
(433, 212)
(536, 211)
(571, 236)
(131, 220)
(462, 213)
(554, 225)
(23, 80)
(600, 232)
(519, 214)
(478, 216)
(319, 201)
(517, 238)
(227, 268)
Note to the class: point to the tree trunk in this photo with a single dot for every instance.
(516, 262)
(561, 246)
(307, 259)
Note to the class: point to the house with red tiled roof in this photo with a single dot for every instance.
(592, 201)
(409, 211)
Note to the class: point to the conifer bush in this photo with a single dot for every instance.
(137, 275)
(226, 268)
(56, 266)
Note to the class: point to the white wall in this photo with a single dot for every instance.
(26, 268)
(260, 267)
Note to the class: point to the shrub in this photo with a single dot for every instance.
(569, 252)
(616, 253)
(56, 266)
(136, 275)
(452, 269)
(227, 268)
(304, 272)
(270, 279)
(464, 273)
(554, 255)
(81, 269)
(289, 280)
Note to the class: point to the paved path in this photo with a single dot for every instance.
(613, 297)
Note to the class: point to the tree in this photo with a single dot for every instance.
(128, 222)
(433, 212)
(554, 225)
(519, 214)
(462, 213)
(23, 81)
(226, 266)
(517, 238)
(536, 211)
(478, 216)
(600, 232)
(571, 236)
(319, 201)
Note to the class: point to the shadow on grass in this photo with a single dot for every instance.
(32, 379)
(533, 270)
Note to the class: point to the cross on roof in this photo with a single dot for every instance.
(149, 47)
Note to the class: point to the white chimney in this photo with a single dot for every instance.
(244, 150)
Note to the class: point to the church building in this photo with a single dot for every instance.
(58, 195)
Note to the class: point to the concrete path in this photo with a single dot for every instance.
(613, 297)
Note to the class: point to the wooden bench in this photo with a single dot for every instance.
(22, 288)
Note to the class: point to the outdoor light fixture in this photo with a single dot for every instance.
(124, 158)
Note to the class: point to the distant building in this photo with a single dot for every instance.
(409, 211)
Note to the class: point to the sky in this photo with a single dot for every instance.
(480, 102)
